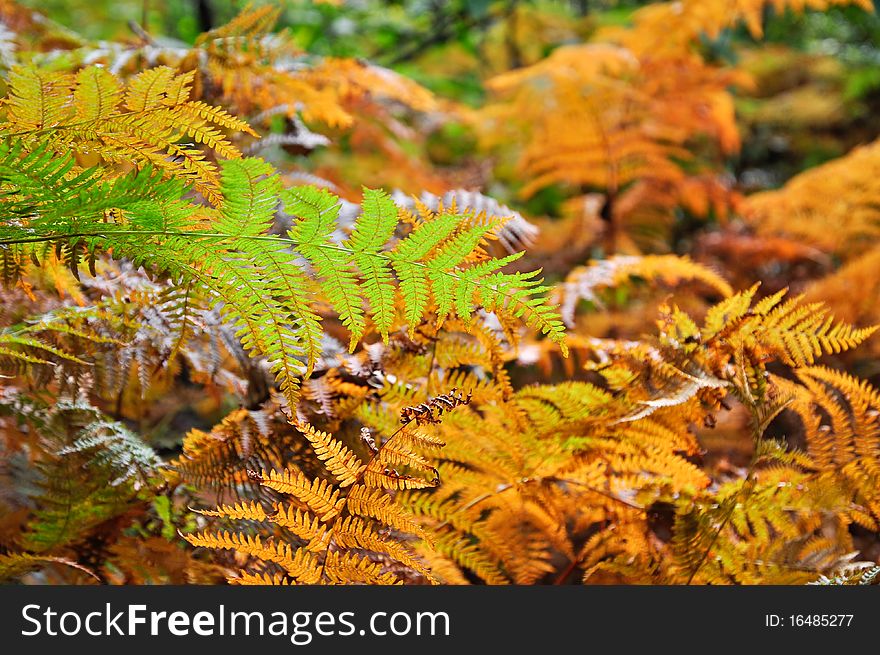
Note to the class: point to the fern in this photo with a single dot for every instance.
(14, 565)
(256, 276)
(259, 73)
(748, 334)
(386, 375)
(91, 469)
(517, 233)
(839, 414)
(756, 531)
(830, 206)
(619, 121)
(583, 283)
(865, 574)
(137, 331)
(340, 530)
(683, 24)
(90, 113)
(218, 460)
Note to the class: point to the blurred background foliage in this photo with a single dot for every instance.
(817, 76)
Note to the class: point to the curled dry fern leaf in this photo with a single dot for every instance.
(584, 283)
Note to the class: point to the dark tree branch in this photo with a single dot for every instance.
(445, 30)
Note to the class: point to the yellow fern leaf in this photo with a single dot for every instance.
(347, 568)
(338, 459)
(144, 123)
(318, 495)
(299, 564)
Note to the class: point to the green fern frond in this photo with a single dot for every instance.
(265, 284)
(18, 348)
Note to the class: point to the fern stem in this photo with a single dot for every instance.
(562, 577)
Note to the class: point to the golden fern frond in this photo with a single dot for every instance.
(759, 529)
(247, 511)
(470, 557)
(348, 530)
(383, 477)
(586, 283)
(377, 504)
(610, 149)
(348, 568)
(217, 460)
(674, 29)
(261, 579)
(143, 123)
(339, 459)
(551, 459)
(297, 563)
(798, 333)
(832, 206)
(793, 332)
(603, 118)
(257, 69)
(356, 532)
(303, 524)
(310, 529)
(249, 22)
(317, 495)
(749, 334)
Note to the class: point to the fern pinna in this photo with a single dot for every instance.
(90, 113)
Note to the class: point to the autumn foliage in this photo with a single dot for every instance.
(280, 316)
